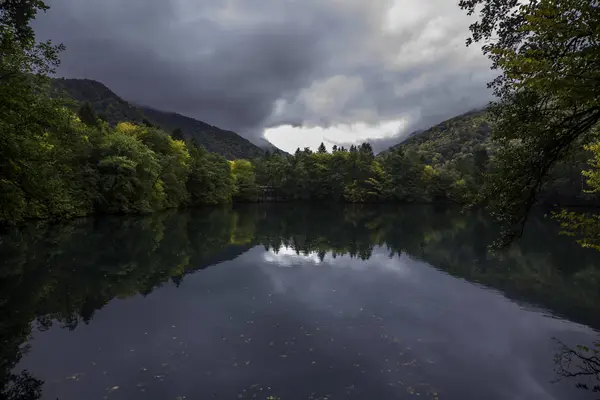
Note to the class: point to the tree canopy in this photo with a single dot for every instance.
(548, 93)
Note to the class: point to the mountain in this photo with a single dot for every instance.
(220, 141)
(463, 147)
(270, 147)
(446, 141)
(114, 109)
(108, 105)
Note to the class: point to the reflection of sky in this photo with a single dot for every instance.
(379, 328)
(477, 331)
(286, 256)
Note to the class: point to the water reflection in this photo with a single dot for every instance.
(62, 275)
(580, 362)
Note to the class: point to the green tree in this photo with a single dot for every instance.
(174, 162)
(34, 181)
(87, 115)
(177, 134)
(210, 180)
(548, 93)
(246, 188)
(585, 226)
(322, 148)
(129, 174)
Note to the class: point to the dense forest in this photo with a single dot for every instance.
(95, 153)
(113, 109)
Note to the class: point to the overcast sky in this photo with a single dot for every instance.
(297, 72)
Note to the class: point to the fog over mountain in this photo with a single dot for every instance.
(296, 72)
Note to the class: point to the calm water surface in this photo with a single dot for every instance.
(294, 302)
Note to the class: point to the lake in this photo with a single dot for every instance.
(290, 301)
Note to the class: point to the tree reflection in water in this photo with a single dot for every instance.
(581, 363)
(65, 273)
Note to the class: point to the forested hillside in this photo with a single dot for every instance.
(105, 155)
(461, 135)
(226, 143)
(463, 147)
(107, 105)
(114, 109)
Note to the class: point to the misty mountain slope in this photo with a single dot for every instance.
(445, 141)
(270, 147)
(106, 103)
(114, 110)
(216, 140)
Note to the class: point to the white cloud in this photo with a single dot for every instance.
(410, 66)
(286, 256)
(344, 70)
(289, 138)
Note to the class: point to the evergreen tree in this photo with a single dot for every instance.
(87, 115)
(177, 134)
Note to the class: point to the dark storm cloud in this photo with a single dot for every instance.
(247, 65)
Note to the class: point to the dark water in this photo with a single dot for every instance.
(293, 302)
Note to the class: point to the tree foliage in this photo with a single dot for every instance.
(548, 93)
(114, 109)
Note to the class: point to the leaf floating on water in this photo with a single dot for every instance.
(74, 377)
